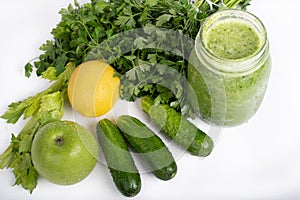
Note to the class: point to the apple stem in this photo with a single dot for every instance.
(59, 141)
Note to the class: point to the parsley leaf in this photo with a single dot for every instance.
(28, 69)
(163, 19)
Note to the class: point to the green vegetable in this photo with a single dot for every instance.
(149, 146)
(43, 108)
(88, 32)
(174, 125)
(119, 161)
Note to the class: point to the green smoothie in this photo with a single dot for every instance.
(229, 68)
(232, 40)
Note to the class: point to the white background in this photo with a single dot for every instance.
(257, 160)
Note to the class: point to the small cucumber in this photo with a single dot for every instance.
(179, 129)
(149, 146)
(119, 161)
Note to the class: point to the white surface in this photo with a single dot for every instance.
(258, 160)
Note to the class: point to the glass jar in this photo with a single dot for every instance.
(229, 67)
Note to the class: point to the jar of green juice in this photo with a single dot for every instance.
(229, 67)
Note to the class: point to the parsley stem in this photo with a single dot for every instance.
(87, 31)
(231, 3)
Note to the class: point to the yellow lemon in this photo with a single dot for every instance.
(93, 90)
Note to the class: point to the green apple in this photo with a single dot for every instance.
(64, 152)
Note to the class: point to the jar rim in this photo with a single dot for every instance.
(241, 65)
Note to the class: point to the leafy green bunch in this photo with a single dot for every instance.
(85, 33)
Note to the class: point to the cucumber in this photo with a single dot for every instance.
(179, 129)
(149, 146)
(119, 161)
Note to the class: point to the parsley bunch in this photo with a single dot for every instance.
(87, 32)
